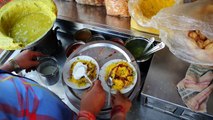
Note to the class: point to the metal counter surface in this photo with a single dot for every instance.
(165, 72)
(89, 14)
(71, 11)
(137, 112)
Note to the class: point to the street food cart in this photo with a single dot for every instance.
(154, 96)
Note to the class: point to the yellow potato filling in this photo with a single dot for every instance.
(121, 73)
(22, 22)
(91, 73)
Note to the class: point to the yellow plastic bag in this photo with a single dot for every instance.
(142, 11)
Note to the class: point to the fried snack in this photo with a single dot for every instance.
(122, 75)
(200, 44)
(209, 46)
(207, 42)
(200, 40)
(91, 73)
(193, 35)
(117, 8)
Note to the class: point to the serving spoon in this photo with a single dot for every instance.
(110, 84)
(151, 40)
(158, 47)
(79, 71)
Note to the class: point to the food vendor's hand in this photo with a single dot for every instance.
(121, 100)
(27, 59)
(94, 99)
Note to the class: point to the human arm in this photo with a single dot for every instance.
(25, 60)
(93, 100)
(120, 106)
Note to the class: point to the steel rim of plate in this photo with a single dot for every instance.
(129, 57)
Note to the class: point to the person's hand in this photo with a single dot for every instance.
(119, 99)
(27, 59)
(94, 99)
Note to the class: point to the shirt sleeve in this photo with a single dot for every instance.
(21, 98)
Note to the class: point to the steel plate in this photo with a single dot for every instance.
(102, 52)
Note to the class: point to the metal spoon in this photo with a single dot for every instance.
(159, 46)
(81, 72)
(109, 83)
(151, 40)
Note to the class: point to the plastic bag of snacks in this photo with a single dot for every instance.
(91, 2)
(117, 8)
(142, 11)
(187, 29)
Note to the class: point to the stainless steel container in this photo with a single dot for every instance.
(49, 70)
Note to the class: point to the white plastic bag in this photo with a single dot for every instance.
(175, 23)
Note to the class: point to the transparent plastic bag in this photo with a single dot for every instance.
(91, 2)
(175, 23)
(142, 11)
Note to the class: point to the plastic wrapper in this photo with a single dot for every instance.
(117, 8)
(91, 2)
(142, 11)
(177, 26)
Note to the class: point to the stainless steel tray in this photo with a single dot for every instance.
(102, 51)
